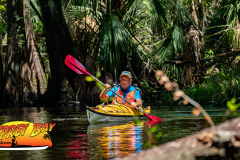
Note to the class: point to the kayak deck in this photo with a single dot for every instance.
(113, 112)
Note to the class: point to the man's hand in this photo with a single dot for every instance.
(134, 104)
(103, 95)
(138, 103)
(107, 86)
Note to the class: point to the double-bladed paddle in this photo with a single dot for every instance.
(77, 67)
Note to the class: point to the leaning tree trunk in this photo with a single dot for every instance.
(59, 45)
(33, 59)
(192, 54)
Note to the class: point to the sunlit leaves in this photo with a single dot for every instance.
(137, 121)
(158, 135)
(153, 129)
(89, 78)
(101, 87)
(3, 5)
(98, 74)
(149, 6)
(232, 104)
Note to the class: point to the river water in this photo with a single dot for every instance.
(73, 138)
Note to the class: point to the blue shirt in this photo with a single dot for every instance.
(125, 92)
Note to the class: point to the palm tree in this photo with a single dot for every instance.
(229, 28)
(142, 29)
(111, 39)
(171, 49)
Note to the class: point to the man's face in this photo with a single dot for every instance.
(125, 82)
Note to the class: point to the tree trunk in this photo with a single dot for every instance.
(11, 83)
(221, 142)
(22, 66)
(1, 56)
(193, 55)
(59, 45)
(33, 61)
(194, 13)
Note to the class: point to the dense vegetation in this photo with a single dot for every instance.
(196, 42)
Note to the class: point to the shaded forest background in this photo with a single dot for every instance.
(196, 42)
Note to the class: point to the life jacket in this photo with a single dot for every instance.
(130, 97)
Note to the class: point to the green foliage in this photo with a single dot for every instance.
(232, 105)
(151, 33)
(154, 97)
(90, 79)
(228, 26)
(38, 27)
(113, 39)
(172, 40)
(101, 87)
(3, 6)
(3, 12)
(204, 93)
(137, 121)
(98, 74)
(3, 27)
(218, 88)
(155, 135)
(209, 53)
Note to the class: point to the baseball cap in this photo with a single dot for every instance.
(126, 73)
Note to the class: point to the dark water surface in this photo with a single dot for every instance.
(73, 137)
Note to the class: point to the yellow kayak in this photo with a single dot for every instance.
(113, 112)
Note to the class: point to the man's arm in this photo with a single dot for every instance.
(103, 95)
(138, 99)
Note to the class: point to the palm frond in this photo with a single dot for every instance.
(230, 32)
(114, 39)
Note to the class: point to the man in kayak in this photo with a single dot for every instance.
(125, 89)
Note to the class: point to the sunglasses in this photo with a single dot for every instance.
(124, 80)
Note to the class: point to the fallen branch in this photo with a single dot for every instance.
(221, 141)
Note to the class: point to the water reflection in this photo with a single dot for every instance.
(74, 138)
(79, 148)
(117, 140)
(109, 141)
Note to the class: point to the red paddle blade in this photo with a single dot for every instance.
(72, 67)
(153, 119)
(75, 65)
